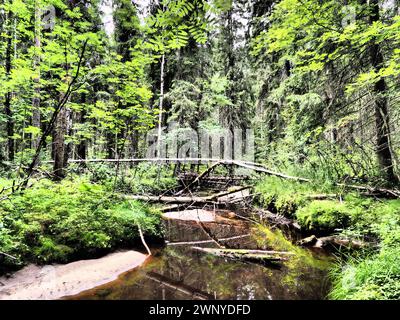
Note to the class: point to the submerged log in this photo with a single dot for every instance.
(188, 243)
(178, 286)
(247, 255)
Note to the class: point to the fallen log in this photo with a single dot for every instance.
(186, 199)
(167, 199)
(188, 243)
(335, 241)
(277, 219)
(257, 167)
(246, 255)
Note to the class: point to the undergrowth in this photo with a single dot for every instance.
(373, 273)
(58, 222)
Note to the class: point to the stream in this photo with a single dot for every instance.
(176, 271)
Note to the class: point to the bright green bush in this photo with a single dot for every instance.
(282, 196)
(54, 222)
(324, 216)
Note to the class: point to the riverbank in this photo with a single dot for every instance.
(56, 281)
(369, 271)
(69, 221)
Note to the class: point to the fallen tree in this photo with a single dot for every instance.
(257, 167)
(257, 256)
(212, 199)
(335, 241)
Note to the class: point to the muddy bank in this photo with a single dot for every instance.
(56, 281)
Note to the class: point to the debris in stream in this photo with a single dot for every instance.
(175, 285)
(333, 241)
(254, 256)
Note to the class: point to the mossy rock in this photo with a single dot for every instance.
(324, 216)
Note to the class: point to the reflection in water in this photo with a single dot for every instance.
(178, 272)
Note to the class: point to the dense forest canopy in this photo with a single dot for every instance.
(317, 81)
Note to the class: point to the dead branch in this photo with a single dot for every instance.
(143, 241)
(199, 177)
(186, 199)
(246, 255)
(178, 286)
(207, 241)
(8, 255)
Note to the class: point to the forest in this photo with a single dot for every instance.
(279, 118)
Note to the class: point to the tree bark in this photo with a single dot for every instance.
(381, 106)
(7, 99)
(59, 146)
(36, 66)
(82, 146)
(160, 116)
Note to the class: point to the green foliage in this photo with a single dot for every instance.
(285, 197)
(325, 216)
(58, 222)
(143, 178)
(371, 277)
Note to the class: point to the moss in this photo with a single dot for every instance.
(325, 216)
(55, 222)
(279, 197)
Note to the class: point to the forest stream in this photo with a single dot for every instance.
(177, 271)
(182, 270)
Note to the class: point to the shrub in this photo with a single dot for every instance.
(53, 222)
(324, 216)
(281, 196)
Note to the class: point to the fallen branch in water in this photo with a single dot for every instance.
(336, 241)
(178, 286)
(246, 255)
(185, 199)
(188, 243)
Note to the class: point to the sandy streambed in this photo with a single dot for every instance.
(56, 281)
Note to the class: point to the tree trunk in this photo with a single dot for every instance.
(36, 66)
(160, 116)
(82, 146)
(7, 100)
(59, 147)
(381, 113)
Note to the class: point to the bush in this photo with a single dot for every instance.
(324, 216)
(57, 222)
(280, 196)
(142, 178)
